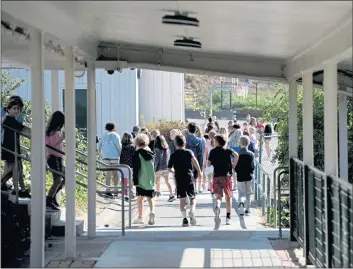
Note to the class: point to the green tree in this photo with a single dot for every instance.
(9, 86)
(280, 109)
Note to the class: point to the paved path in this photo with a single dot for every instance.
(166, 244)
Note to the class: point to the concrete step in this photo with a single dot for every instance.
(58, 228)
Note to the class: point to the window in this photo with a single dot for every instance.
(81, 108)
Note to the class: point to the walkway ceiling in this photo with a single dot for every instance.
(245, 38)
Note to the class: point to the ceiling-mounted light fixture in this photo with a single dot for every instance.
(180, 18)
(187, 42)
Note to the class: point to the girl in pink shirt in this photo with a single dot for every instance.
(55, 139)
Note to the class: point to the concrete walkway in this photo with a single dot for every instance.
(245, 243)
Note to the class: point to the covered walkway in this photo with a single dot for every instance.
(271, 40)
(245, 243)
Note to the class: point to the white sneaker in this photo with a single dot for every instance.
(139, 220)
(151, 220)
(228, 221)
(192, 218)
(217, 212)
(241, 209)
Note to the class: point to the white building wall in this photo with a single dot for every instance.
(161, 96)
(117, 96)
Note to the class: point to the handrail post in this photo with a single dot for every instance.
(262, 195)
(328, 222)
(122, 203)
(292, 195)
(280, 202)
(255, 179)
(130, 205)
(268, 200)
(257, 182)
(15, 169)
(275, 205)
(260, 148)
(306, 238)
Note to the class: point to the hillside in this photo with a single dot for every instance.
(197, 89)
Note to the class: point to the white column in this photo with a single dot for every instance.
(293, 119)
(91, 133)
(308, 128)
(330, 118)
(343, 136)
(70, 135)
(55, 90)
(37, 150)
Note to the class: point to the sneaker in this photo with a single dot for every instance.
(139, 220)
(228, 221)
(247, 213)
(151, 220)
(185, 222)
(24, 194)
(5, 187)
(241, 209)
(158, 194)
(126, 198)
(217, 212)
(192, 218)
(171, 199)
(110, 195)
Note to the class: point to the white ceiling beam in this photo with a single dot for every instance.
(44, 16)
(19, 58)
(184, 61)
(334, 45)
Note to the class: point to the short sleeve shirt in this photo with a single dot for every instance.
(181, 161)
(221, 160)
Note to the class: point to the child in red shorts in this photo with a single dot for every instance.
(220, 158)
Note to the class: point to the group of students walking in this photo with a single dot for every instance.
(213, 161)
(194, 161)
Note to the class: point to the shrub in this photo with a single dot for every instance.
(165, 126)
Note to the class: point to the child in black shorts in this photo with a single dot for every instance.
(183, 162)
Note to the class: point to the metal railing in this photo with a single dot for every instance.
(321, 216)
(277, 195)
(262, 188)
(268, 193)
(116, 168)
(278, 205)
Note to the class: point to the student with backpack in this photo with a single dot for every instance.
(245, 170)
(144, 177)
(195, 144)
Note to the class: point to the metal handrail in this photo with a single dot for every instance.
(274, 191)
(103, 170)
(261, 188)
(107, 168)
(285, 171)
